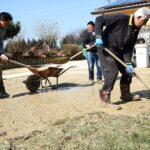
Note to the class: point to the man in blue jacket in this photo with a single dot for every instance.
(5, 19)
(119, 36)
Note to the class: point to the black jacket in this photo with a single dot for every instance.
(119, 35)
(89, 39)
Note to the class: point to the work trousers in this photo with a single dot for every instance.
(110, 70)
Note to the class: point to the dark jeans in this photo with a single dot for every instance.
(110, 69)
(91, 59)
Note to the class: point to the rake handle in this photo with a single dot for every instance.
(21, 64)
(115, 57)
(81, 52)
(125, 65)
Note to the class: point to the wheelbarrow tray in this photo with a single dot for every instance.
(47, 72)
(59, 60)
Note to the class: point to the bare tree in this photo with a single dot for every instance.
(74, 37)
(47, 32)
(16, 44)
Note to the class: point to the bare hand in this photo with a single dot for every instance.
(4, 57)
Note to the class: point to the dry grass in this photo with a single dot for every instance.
(96, 131)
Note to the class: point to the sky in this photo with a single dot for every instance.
(67, 15)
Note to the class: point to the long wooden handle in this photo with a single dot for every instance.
(125, 65)
(21, 64)
(81, 52)
(115, 57)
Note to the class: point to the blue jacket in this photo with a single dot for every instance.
(2, 36)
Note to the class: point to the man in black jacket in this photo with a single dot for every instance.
(119, 36)
(5, 20)
(91, 53)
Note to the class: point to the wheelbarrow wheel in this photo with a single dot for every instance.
(33, 83)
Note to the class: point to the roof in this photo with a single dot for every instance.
(118, 3)
(121, 5)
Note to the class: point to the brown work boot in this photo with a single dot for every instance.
(105, 98)
(126, 96)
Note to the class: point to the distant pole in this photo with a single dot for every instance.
(53, 34)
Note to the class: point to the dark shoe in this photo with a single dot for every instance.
(126, 96)
(4, 95)
(130, 97)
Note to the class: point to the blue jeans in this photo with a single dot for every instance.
(91, 59)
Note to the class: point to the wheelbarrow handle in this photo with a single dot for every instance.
(81, 52)
(21, 64)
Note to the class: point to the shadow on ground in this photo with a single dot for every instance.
(67, 86)
(59, 87)
(24, 94)
(143, 94)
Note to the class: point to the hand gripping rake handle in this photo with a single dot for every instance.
(125, 65)
(81, 52)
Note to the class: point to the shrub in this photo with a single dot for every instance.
(72, 49)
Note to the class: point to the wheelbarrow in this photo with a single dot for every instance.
(34, 81)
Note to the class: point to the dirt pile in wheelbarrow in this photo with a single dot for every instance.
(59, 60)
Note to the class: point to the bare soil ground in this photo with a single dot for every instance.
(71, 116)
